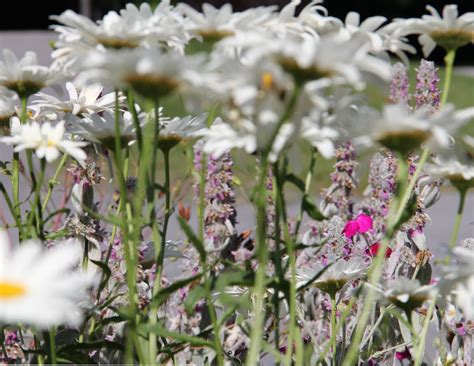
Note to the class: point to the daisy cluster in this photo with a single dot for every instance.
(103, 261)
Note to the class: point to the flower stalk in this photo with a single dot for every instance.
(457, 223)
(449, 62)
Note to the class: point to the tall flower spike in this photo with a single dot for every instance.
(220, 213)
(427, 94)
(344, 180)
(381, 188)
(399, 85)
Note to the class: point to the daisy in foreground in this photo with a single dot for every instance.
(47, 140)
(41, 288)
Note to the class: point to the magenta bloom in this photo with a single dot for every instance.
(361, 224)
(404, 355)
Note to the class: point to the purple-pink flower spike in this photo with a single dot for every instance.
(400, 85)
(427, 94)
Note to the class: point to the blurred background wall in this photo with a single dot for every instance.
(39, 11)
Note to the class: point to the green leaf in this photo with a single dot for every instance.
(311, 209)
(57, 212)
(424, 274)
(298, 182)
(111, 320)
(193, 238)
(196, 294)
(90, 345)
(74, 358)
(4, 168)
(107, 273)
(235, 278)
(163, 332)
(164, 293)
(56, 235)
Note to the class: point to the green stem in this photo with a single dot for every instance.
(342, 320)
(214, 321)
(16, 170)
(409, 190)
(261, 247)
(333, 328)
(166, 156)
(449, 61)
(375, 327)
(457, 222)
(9, 203)
(52, 347)
(262, 256)
(278, 256)
(53, 182)
(202, 196)
(152, 350)
(286, 116)
(136, 121)
(129, 245)
(422, 340)
(36, 212)
(293, 334)
(156, 132)
(148, 154)
(309, 178)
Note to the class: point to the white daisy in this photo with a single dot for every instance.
(402, 129)
(449, 31)
(408, 294)
(47, 140)
(150, 72)
(330, 59)
(457, 173)
(353, 27)
(41, 288)
(131, 28)
(174, 130)
(100, 128)
(395, 41)
(87, 99)
(334, 278)
(7, 110)
(252, 105)
(25, 76)
(464, 297)
(312, 19)
(221, 137)
(214, 24)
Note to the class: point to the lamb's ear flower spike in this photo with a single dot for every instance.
(399, 87)
(427, 94)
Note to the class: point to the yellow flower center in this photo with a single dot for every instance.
(10, 290)
(267, 81)
(51, 143)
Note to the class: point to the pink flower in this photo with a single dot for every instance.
(404, 355)
(374, 249)
(361, 224)
(351, 228)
